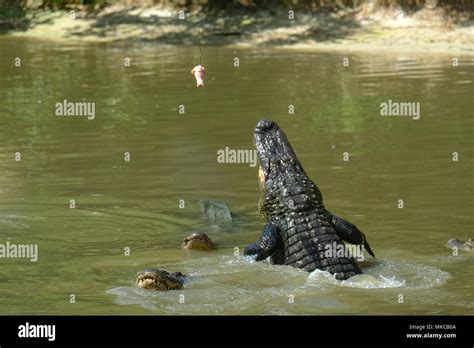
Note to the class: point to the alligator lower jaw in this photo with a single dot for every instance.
(197, 245)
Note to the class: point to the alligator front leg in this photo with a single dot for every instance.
(269, 244)
(350, 233)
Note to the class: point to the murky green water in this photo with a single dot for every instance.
(173, 156)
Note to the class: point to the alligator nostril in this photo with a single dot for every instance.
(264, 125)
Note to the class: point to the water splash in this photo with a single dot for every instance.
(386, 274)
(239, 285)
(362, 281)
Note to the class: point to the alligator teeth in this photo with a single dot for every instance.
(147, 281)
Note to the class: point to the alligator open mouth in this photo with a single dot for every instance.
(154, 279)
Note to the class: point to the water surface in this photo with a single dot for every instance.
(173, 157)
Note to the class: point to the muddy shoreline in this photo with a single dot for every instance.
(426, 31)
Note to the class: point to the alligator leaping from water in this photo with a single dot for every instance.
(299, 229)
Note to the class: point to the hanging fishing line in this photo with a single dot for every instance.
(199, 71)
(199, 43)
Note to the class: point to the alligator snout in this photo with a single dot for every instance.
(263, 125)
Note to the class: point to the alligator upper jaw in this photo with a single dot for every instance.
(157, 280)
(263, 142)
(274, 151)
(198, 241)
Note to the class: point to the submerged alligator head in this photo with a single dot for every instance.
(198, 241)
(456, 243)
(155, 279)
(300, 231)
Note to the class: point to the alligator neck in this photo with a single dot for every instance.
(289, 196)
